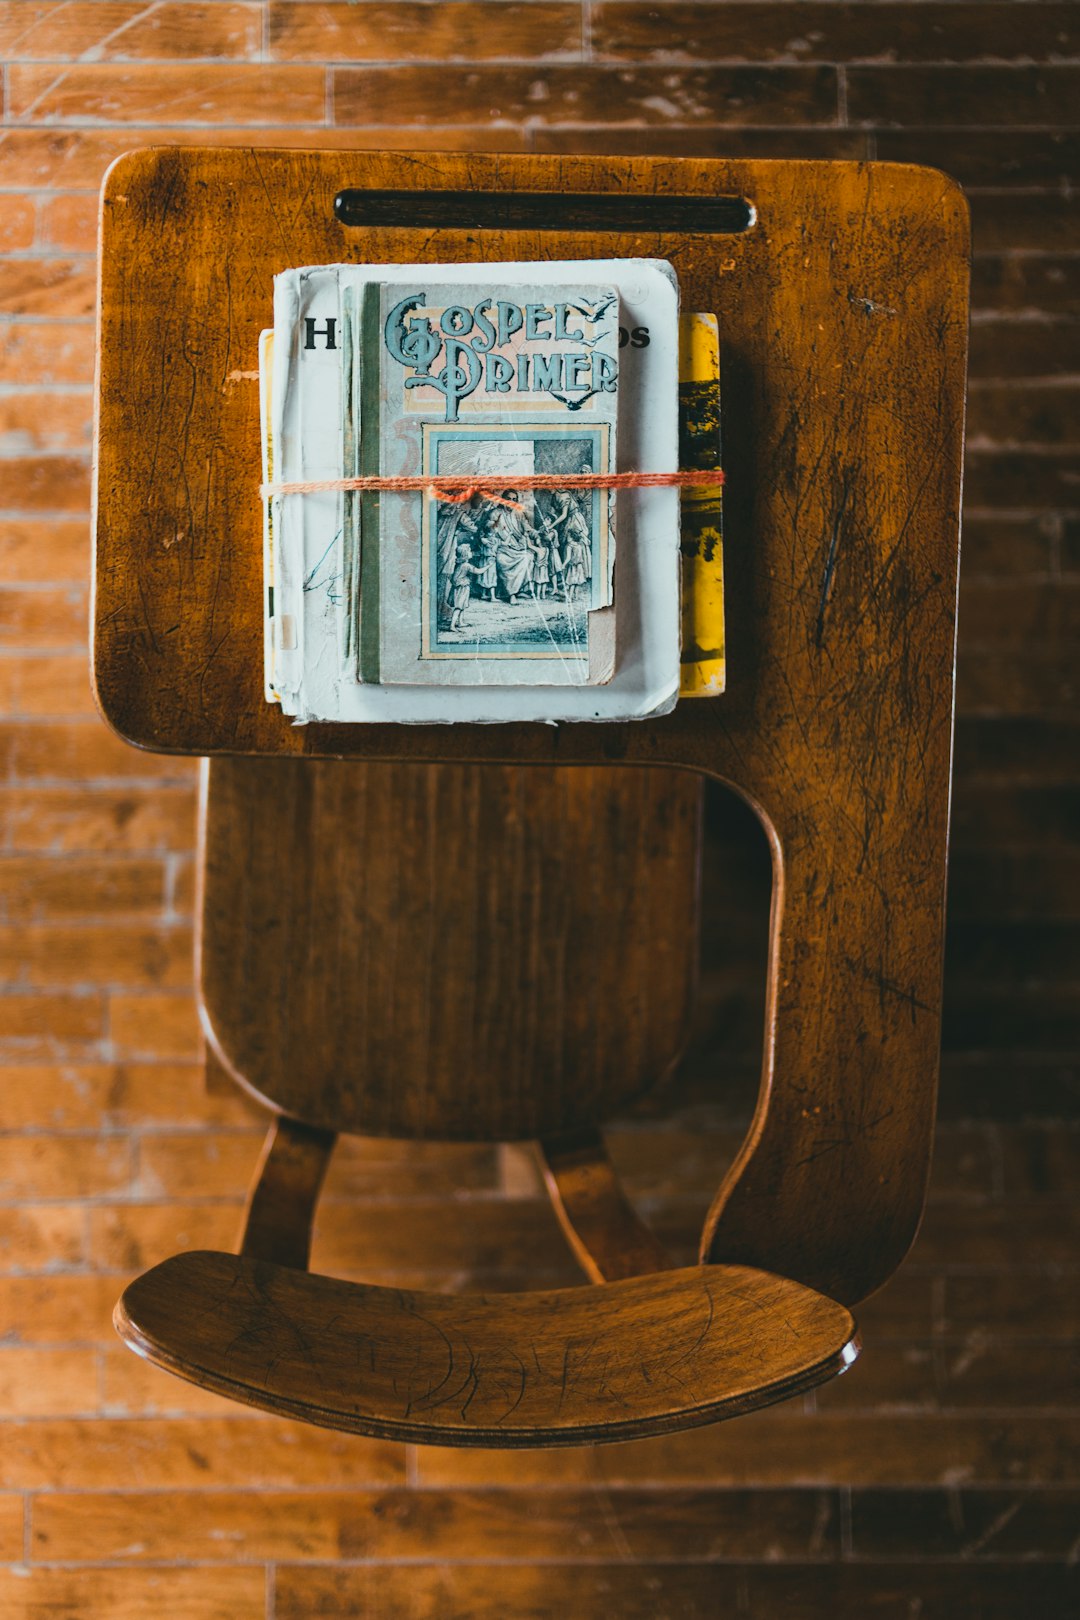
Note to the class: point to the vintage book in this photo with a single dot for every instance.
(703, 668)
(406, 605)
(459, 381)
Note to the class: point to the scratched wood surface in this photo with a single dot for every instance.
(844, 318)
(448, 951)
(637, 1357)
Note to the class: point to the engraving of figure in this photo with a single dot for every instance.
(461, 584)
(514, 556)
(569, 521)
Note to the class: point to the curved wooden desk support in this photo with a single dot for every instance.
(608, 1237)
(280, 1211)
(510, 996)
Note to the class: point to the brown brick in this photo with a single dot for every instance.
(427, 1592)
(63, 751)
(34, 1166)
(963, 96)
(11, 1529)
(60, 352)
(988, 1524)
(187, 1453)
(69, 222)
(206, 1164)
(34, 423)
(637, 31)
(1026, 284)
(125, 30)
(1040, 1161)
(1010, 221)
(889, 1376)
(690, 1591)
(724, 141)
(1005, 546)
(1014, 813)
(154, 1025)
(48, 1383)
(17, 223)
(38, 551)
(573, 95)
(45, 686)
(1024, 348)
(1028, 1305)
(977, 1085)
(1032, 285)
(988, 684)
(787, 1447)
(1012, 1022)
(1070, 546)
(904, 1308)
(972, 1375)
(48, 1025)
(132, 1387)
(489, 1244)
(215, 94)
(995, 883)
(1022, 955)
(198, 1164)
(42, 618)
(328, 1525)
(988, 157)
(38, 1237)
(58, 1310)
(113, 954)
(133, 1237)
(1033, 750)
(110, 821)
(1012, 615)
(34, 1593)
(316, 31)
(67, 1097)
(998, 1236)
(45, 484)
(1040, 415)
(34, 888)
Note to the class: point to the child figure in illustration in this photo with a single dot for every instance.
(488, 577)
(542, 563)
(549, 564)
(577, 551)
(461, 584)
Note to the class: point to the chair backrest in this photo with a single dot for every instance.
(447, 951)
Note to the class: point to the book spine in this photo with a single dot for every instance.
(702, 670)
(266, 362)
(370, 631)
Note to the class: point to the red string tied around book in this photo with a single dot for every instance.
(457, 488)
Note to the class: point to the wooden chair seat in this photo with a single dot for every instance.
(612, 1362)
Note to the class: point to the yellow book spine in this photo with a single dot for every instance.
(703, 668)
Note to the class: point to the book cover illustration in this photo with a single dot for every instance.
(502, 587)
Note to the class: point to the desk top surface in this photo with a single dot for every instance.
(842, 311)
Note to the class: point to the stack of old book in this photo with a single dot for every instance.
(522, 598)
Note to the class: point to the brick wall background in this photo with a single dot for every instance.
(942, 1476)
